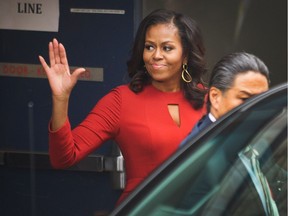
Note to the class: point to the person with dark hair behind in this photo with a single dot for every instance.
(235, 78)
(148, 117)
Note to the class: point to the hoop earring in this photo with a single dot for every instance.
(186, 73)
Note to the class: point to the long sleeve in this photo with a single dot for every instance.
(139, 123)
(67, 147)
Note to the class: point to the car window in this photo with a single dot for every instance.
(211, 178)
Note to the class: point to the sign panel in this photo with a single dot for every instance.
(37, 15)
(37, 71)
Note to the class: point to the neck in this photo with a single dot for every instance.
(166, 87)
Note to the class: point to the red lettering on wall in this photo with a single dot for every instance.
(41, 72)
(86, 75)
(15, 70)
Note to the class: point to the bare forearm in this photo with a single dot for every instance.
(61, 82)
(59, 112)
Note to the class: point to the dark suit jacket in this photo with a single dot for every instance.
(201, 124)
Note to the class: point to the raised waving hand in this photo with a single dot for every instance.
(60, 79)
(61, 82)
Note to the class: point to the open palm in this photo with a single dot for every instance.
(60, 79)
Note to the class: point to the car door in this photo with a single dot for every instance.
(208, 177)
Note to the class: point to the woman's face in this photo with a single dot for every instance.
(163, 55)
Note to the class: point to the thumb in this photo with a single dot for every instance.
(76, 73)
(43, 63)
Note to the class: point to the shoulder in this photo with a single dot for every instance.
(122, 89)
(118, 92)
(205, 121)
(118, 95)
(125, 90)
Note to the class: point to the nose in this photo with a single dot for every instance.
(157, 54)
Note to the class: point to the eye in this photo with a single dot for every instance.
(167, 48)
(148, 47)
(244, 98)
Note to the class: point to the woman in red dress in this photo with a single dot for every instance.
(147, 117)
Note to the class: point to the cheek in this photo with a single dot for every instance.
(176, 63)
(145, 57)
(227, 104)
(234, 103)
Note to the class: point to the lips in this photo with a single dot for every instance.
(157, 66)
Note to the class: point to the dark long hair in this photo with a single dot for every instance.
(228, 67)
(193, 49)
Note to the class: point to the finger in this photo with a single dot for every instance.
(56, 51)
(51, 54)
(63, 56)
(44, 64)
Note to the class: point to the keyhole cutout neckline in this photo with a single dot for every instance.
(174, 113)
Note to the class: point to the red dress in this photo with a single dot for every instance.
(139, 123)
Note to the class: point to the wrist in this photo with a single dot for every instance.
(60, 98)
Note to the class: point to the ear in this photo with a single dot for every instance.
(185, 60)
(215, 96)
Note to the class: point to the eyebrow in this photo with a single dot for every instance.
(164, 42)
(247, 93)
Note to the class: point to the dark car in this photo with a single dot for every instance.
(236, 166)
